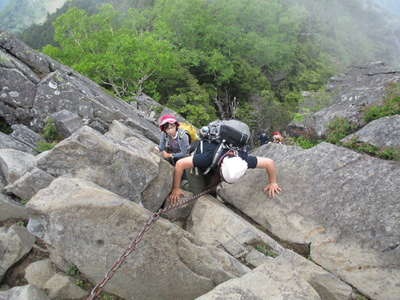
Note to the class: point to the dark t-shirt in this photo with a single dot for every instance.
(204, 160)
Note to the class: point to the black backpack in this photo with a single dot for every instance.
(232, 133)
(229, 134)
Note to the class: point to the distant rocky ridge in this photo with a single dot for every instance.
(87, 197)
(352, 92)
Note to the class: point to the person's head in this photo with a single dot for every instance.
(232, 168)
(169, 124)
(277, 136)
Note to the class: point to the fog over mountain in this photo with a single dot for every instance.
(391, 5)
(3, 3)
(20, 14)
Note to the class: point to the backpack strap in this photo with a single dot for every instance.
(182, 132)
(217, 155)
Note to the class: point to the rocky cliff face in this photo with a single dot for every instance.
(351, 93)
(87, 198)
(33, 86)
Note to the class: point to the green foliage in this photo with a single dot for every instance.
(50, 133)
(157, 109)
(106, 296)
(122, 59)
(193, 103)
(44, 146)
(388, 153)
(21, 223)
(338, 129)
(23, 201)
(305, 143)
(81, 283)
(360, 297)
(4, 127)
(266, 250)
(298, 117)
(206, 60)
(390, 107)
(73, 270)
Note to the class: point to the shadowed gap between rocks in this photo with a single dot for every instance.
(302, 249)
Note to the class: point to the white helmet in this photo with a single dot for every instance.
(232, 168)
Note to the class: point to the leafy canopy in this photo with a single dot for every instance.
(205, 59)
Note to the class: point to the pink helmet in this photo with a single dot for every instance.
(167, 119)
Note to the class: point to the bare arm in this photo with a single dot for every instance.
(269, 165)
(180, 167)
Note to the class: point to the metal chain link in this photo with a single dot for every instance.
(132, 246)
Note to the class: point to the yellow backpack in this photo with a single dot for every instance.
(190, 130)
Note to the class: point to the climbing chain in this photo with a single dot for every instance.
(133, 245)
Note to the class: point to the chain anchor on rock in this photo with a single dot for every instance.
(133, 245)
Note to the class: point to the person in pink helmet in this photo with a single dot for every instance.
(174, 142)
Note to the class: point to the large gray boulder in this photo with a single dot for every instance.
(15, 242)
(384, 132)
(26, 292)
(14, 164)
(344, 204)
(359, 87)
(35, 86)
(131, 170)
(168, 264)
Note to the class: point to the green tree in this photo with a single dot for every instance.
(116, 56)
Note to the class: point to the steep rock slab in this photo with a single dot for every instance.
(9, 209)
(345, 204)
(15, 242)
(384, 132)
(26, 292)
(353, 91)
(213, 223)
(168, 263)
(90, 155)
